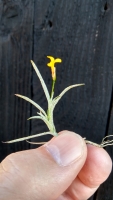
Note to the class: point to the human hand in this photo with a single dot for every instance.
(62, 169)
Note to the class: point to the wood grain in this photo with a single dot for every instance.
(16, 29)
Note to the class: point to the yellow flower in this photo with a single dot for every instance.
(52, 65)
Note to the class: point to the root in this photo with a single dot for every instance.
(103, 144)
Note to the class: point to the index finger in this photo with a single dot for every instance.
(95, 171)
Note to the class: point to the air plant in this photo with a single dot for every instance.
(47, 117)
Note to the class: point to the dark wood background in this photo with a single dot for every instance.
(79, 32)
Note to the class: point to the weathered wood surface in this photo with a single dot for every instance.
(79, 32)
(16, 25)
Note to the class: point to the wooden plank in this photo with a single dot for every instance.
(16, 29)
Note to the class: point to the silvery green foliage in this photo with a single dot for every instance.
(47, 118)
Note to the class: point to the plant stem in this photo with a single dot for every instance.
(50, 110)
(52, 90)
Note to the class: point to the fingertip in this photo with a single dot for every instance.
(101, 159)
(97, 167)
(96, 170)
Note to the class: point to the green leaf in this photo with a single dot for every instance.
(41, 80)
(32, 102)
(44, 120)
(28, 137)
(56, 99)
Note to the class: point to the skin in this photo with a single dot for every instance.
(36, 175)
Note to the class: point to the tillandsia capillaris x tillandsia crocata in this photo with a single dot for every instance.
(47, 117)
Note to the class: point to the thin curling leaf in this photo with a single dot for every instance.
(41, 80)
(37, 117)
(43, 119)
(56, 99)
(32, 102)
(28, 137)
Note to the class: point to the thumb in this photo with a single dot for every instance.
(66, 156)
(45, 173)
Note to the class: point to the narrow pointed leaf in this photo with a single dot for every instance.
(44, 120)
(35, 117)
(28, 137)
(41, 80)
(32, 102)
(56, 99)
